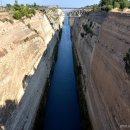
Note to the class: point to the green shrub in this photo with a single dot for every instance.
(93, 7)
(123, 4)
(29, 16)
(109, 7)
(109, 4)
(32, 11)
(105, 3)
(17, 15)
(16, 6)
(22, 10)
(87, 29)
(129, 5)
(116, 5)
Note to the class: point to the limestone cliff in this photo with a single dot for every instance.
(27, 52)
(100, 41)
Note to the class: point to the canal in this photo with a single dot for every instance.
(62, 110)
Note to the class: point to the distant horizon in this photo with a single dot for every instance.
(61, 3)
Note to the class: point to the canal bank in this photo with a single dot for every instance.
(84, 114)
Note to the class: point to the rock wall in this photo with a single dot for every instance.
(27, 53)
(99, 51)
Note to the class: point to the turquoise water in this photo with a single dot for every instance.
(62, 109)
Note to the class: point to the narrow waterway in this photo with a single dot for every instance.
(62, 109)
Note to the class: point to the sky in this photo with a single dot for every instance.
(61, 3)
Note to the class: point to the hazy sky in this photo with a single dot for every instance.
(63, 3)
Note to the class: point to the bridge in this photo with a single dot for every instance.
(63, 8)
(69, 11)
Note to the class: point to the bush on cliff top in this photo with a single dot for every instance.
(22, 10)
(94, 7)
(116, 5)
(17, 15)
(108, 4)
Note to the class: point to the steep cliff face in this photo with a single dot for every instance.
(100, 51)
(27, 52)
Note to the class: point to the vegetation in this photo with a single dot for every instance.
(20, 11)
(17, 14)
(87, 29)
(109, 4)
(94, 7)
(8, 7)
(116, 5)
(127, 61)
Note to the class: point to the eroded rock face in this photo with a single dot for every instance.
(26, 57)
(105, 82)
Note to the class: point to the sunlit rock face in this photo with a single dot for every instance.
(100, 52)
(55, 16)
(26, 57)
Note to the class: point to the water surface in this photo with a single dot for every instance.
(62, 109)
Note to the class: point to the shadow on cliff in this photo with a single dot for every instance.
(6, 111)
(38, 124)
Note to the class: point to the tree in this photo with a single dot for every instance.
(23, 10)
(95, 6)
(123, 4)
(115, 3)
(16, 6)
(105, 2)
(8, 7)
(16, 2)
(35, 5)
